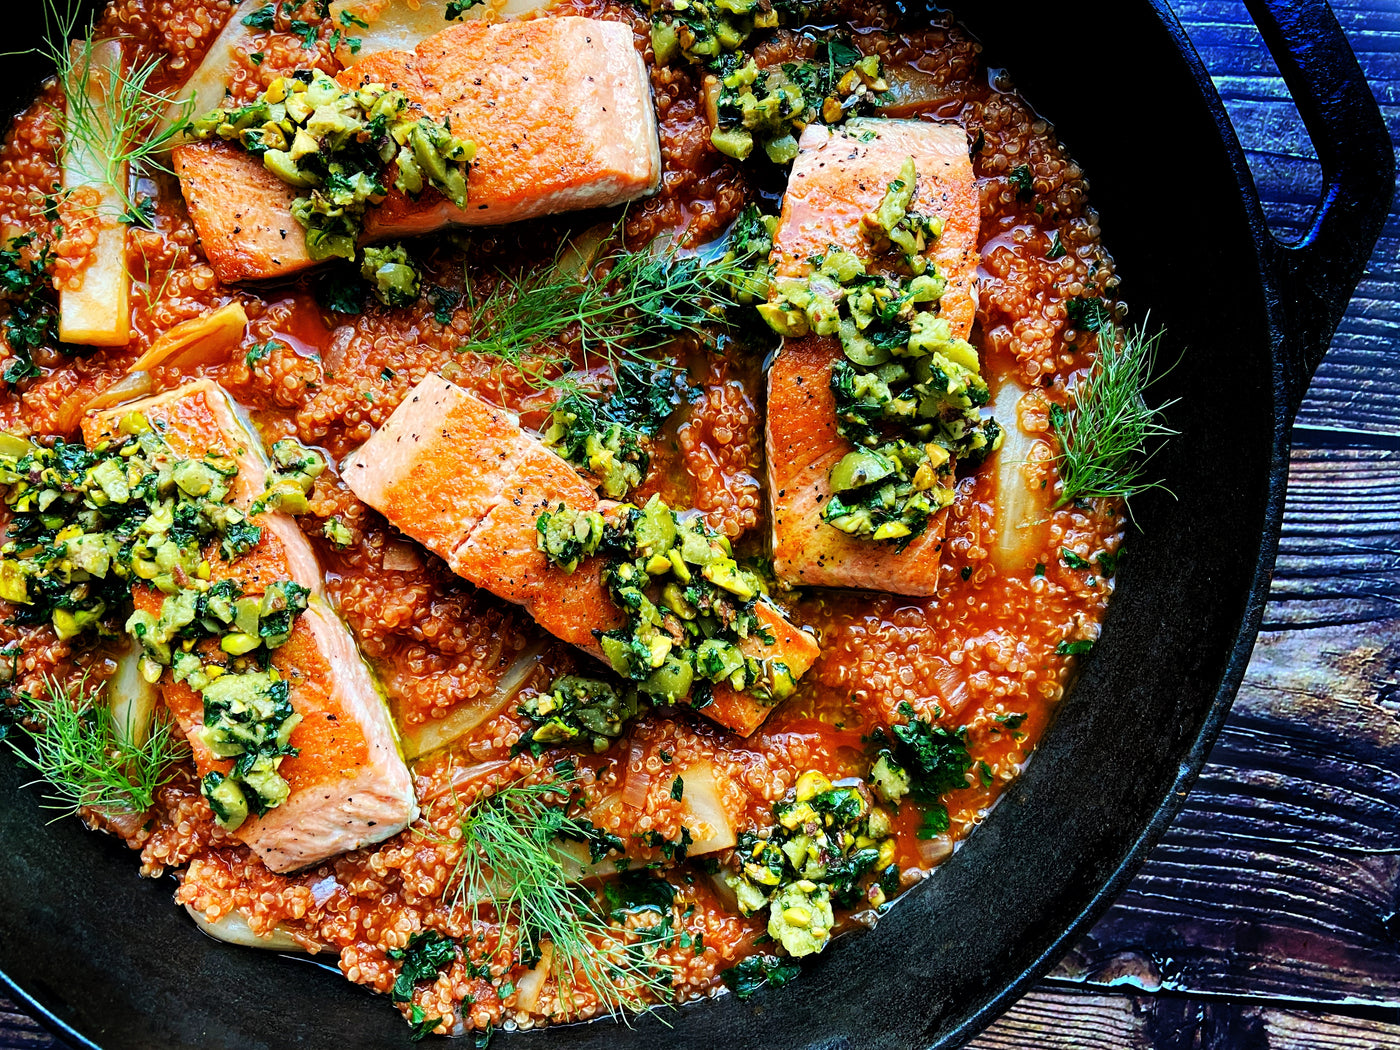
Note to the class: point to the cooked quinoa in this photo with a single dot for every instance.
(980, 654)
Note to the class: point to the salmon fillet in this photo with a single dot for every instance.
(559, 108)
(349, 787)
(839, 175)
(462, 478)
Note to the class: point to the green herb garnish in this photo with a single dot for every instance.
(510, 862)
(750, 974)
(112, 130)
(626, 306)
(87, 759)
(1105, 434)
(428, 954)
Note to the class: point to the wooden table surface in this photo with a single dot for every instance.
(1269, 916)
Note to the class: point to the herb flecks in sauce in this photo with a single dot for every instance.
(908, 392)
(32, 319)
(923, 763)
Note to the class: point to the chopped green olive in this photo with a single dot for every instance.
(392, 276)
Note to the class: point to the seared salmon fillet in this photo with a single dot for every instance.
(559, 109)
(349, 787)
(462, 478)
(839, 175)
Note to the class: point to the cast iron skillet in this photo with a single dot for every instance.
(106, 960)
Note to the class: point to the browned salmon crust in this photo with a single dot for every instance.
(559, 108)
(349, 787)
(463, 478)
(838, 176)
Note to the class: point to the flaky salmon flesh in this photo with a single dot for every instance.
(463, 478)
(839, 175)
(560, 111)
(349, 787)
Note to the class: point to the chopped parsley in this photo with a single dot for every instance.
(1023, 179)
(428, 954)
(751, 974)
(259, 352)
(263, 18)
(1090, 315)
(1073, 560)
(1079, 648)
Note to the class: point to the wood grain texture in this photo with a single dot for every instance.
(1281, 877)
(1053, 1020)
(1339, 555)
(19, 1031)
(1358, 386)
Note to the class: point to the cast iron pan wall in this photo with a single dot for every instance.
(111, 963)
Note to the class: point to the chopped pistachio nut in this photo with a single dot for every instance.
(825, 839)
(338, 533)
(337, 145)
(908, 392)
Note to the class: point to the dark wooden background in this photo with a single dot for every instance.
(1269, 916)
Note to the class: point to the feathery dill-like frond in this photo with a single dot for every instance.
(1106, 433)
(112, 130)
(510, 861)
(626, 306)
(86, 759)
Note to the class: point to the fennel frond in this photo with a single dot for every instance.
(625, 307)
(113, 131)
(510, 862)
(1106, 434)
(86, 759)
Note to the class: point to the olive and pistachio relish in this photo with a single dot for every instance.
(826, 838)
(770, 107)
(295, 469)
(908, 392)
(588, 712)
(337, 145)
(687, 603)
(703, 31)
(89, 524)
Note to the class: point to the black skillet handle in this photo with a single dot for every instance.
(1316, 277)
